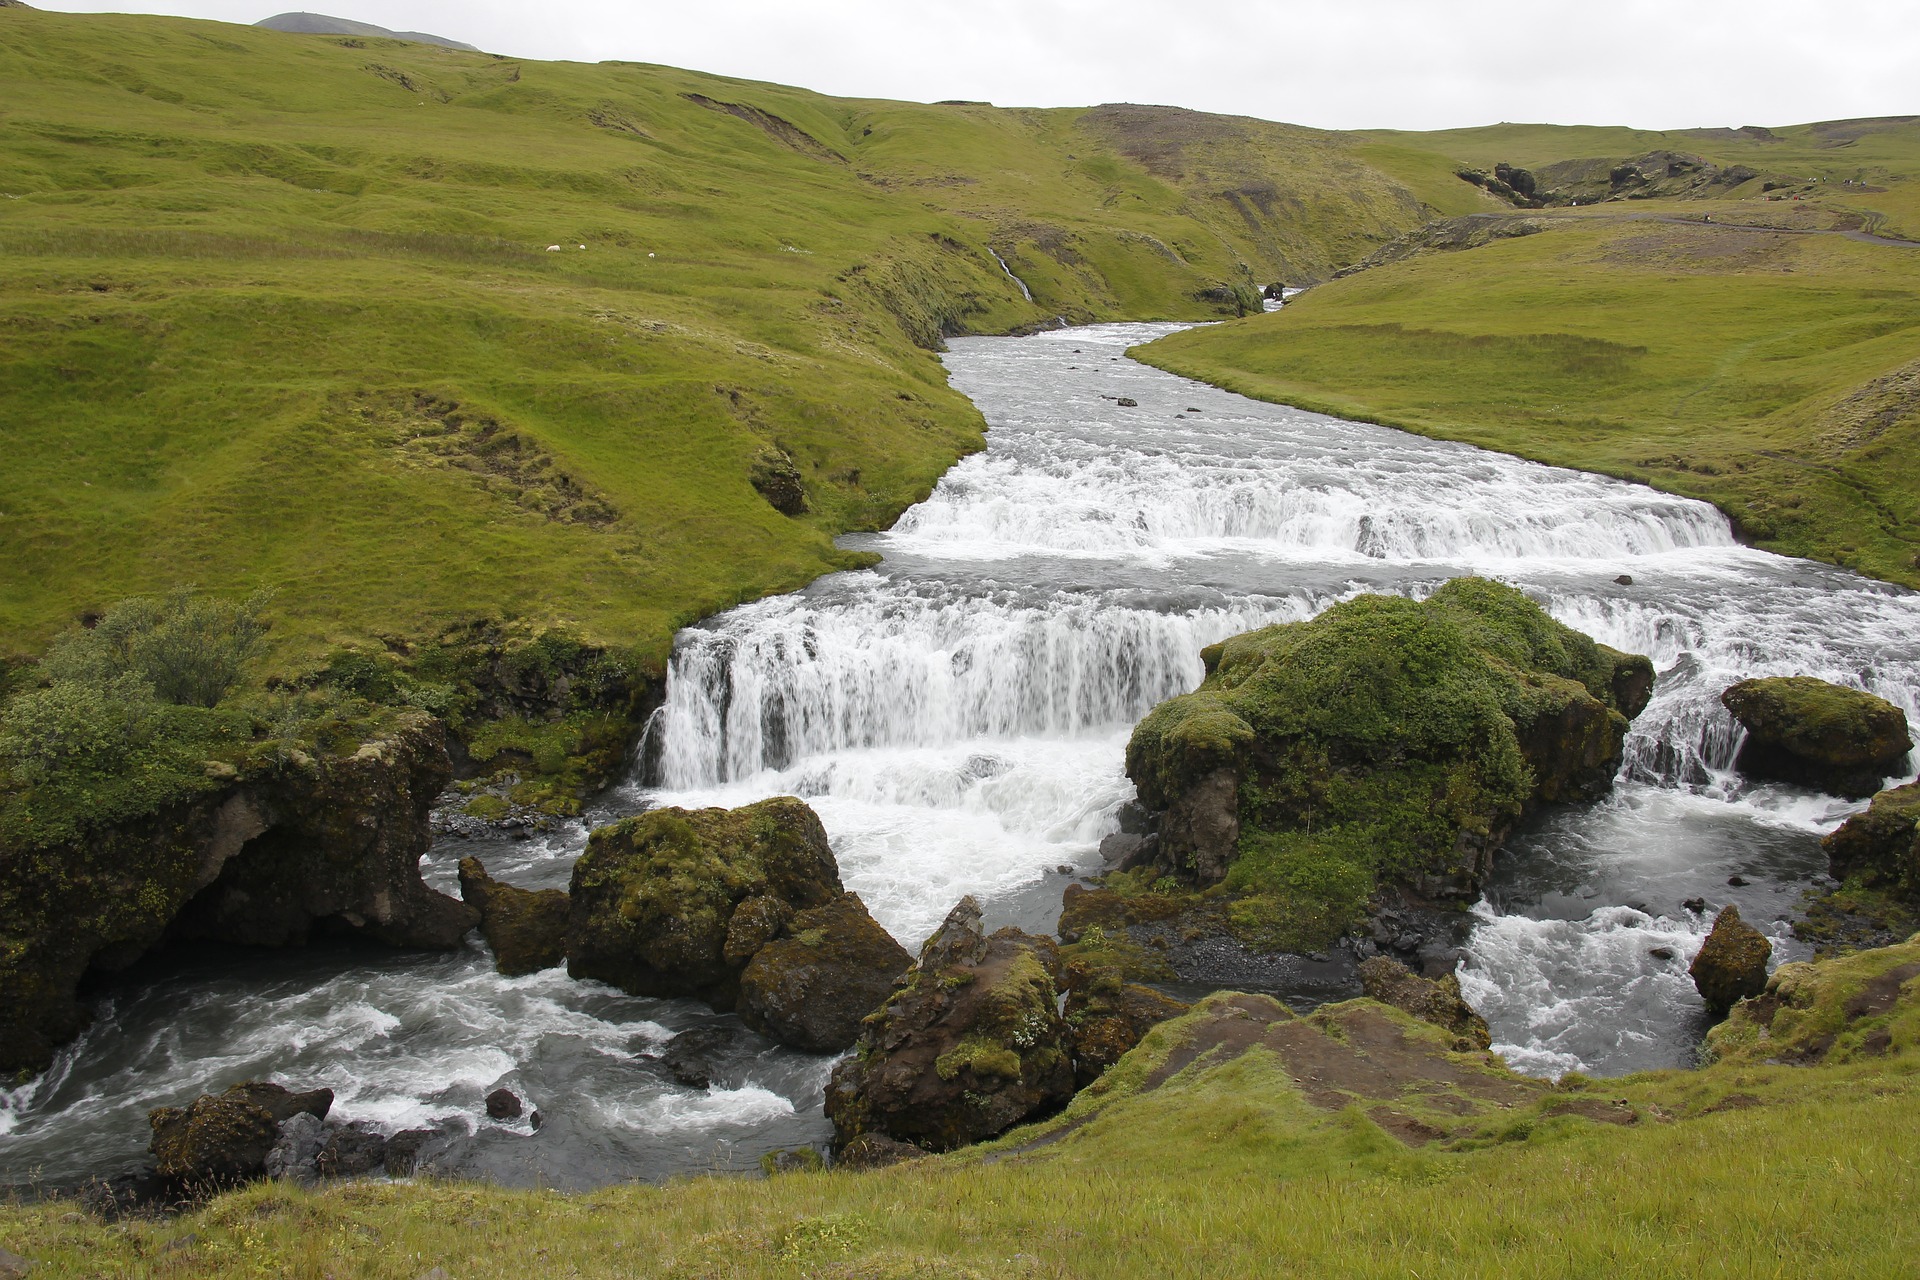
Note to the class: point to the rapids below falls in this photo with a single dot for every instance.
(958, 716)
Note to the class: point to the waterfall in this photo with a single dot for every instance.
(1024, 291)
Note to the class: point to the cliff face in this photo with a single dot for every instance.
(309, 842)
(1387, 742)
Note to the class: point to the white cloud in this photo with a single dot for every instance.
(1411, 64)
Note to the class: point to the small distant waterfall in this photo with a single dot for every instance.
(1024, 291)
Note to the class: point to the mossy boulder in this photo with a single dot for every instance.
(1732, 963)
(1106, 1015)
(1385, 742)
(527, 928)
(220, 1139)
(1819, 735)
(675, 902)
(971, 1044)
(1435, 1000)
(261, 857)
(1880, 849)
(1849, 1008)
(811, 988)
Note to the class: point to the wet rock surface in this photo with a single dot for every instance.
(811, 987)
(526, 928)
(1819, 735)
(1732, 963)
(1881, 847)
(970, 1045)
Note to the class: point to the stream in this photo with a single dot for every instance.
(958, 717)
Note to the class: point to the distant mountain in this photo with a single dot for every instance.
(319, 24)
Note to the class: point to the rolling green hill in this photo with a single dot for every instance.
(280, 311)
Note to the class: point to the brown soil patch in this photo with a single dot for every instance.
(1880, 995)
(1600, 1110)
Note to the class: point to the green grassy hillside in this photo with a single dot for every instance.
(1771, 373)
(1236, 1141)
(279, 311)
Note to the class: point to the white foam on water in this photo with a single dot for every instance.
(654, 1112)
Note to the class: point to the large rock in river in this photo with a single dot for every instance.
(1881, 847)
(812, 987)
(219, 1139)
(675, 902)
(1817, 734)
(1731, 964)
(971, 1045)
(527, 928)
(265, 857)
(1385, 742)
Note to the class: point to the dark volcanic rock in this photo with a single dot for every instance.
(296, 1152)
(1107, 1015)
(692, 1057)
(1432, 1000)
(655, 897)
(353, 1151)
(405, 1149)
(811, 988)
(1819, 735)
(778, 481)
(526, 928)
(504, 1104)
(264, 859)
(1386, 744)
(215, 1140)
(1881, 847)
(875, 1151)
(969, 1046)
(1731, 964)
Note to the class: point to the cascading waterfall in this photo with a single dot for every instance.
(958, 716)
(1024, 291)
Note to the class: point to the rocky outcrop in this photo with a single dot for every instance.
(1431, 1000)
(811, 987)
(1106, 1015)
(776, 479)
(1386, 743)
(527, 928)
(1881, 847)
(1731, 964)
(969, 1046)
(220, 1139)
(742, 908)
(1819, 735)
(267, 858)
(1849, 1008)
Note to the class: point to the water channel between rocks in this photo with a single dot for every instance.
(958, 717)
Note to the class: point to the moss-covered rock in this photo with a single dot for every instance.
(1817, 734)
(1732, 963)
(527, 928)
(1107, 1015)
(1850, 1008)
(1431, 1000)
(219, 1139)
(811, 988)
(1386, 742)
(971, 1044)
(1881, 847)
(675, 902)
(275, 849)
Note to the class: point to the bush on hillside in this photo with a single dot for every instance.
(189, 649)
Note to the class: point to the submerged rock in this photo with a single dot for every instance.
(970, 1045)
(654, 897)
(1819, 735)
(811, 988)
(1387, 743)
(1731, 964)
(692, 1057)
(1431, 1000)
(1881, 847)
(259, 859)
(527, 928)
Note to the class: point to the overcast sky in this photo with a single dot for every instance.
(1413, 64)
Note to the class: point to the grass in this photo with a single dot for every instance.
(235, 263)
(1740, 1169)
(1769, 373)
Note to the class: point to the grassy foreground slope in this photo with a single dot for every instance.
(279, 311)
(1772, 373)
(1236, 1141)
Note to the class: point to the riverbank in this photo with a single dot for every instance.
(1768, 372)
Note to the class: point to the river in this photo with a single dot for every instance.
(958, 717)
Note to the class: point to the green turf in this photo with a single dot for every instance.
(1770, 373)
(233, 261)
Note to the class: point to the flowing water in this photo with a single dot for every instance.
(958, 717)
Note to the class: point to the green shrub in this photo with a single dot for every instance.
(76, 724)
(190, 649)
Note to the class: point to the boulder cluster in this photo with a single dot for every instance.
(261, 1130)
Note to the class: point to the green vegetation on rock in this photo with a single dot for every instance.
(1385, 742)
(1822, 735)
